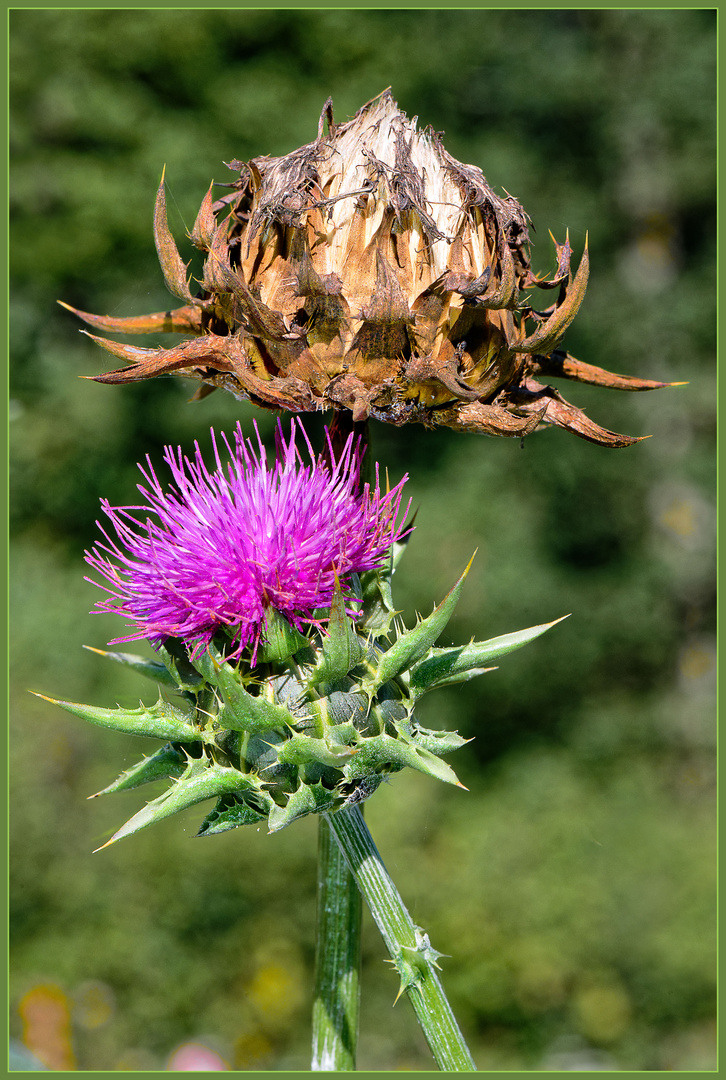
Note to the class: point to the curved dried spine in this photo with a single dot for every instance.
(549, 333)
(183, 320)
(372, 271)
(559, 365)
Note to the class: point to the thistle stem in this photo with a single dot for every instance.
(337, 959)
(409, 947)
(337, 941)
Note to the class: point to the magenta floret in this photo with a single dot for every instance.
(227, 546)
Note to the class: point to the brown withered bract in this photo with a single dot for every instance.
(371, 271)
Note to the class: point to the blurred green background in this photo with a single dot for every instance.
(573, 885)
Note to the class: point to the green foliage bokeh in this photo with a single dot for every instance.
(572, 885)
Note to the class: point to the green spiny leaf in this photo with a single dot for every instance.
(445, 666)
(307, 799)
(342, 735)
(414, 644)
(202, 780)
(151, 669)
(281, 640)
(159, 721)
(377, 611)
(176, 661)
(342, 648)
(414, 963)
(167, 762)
(436, 742)
(382, 751)
(242, 711)
(300, 749)
(454, 680)
(229, 813)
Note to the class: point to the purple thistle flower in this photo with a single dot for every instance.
(232, 544)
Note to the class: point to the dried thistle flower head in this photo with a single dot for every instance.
(369, 270)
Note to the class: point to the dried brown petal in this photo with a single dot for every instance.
(205, 225)
(173, 269)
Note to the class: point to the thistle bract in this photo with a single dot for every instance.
(287, 683)
(371, 271)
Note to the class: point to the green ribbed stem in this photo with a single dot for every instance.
(404, 941)
(337, 959)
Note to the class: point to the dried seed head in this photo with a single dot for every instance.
(371, 271)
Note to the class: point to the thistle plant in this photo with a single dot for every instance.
(287, 682)
(370, 273)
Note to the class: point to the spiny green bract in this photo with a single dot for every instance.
(318, 723)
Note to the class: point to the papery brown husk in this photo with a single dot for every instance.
(371, 271)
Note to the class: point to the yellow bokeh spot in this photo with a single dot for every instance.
(274, 991)
(251, 1050)
(679, 517)
(602, 1012)
(696, 661)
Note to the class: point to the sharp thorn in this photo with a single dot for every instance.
(107, 844)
